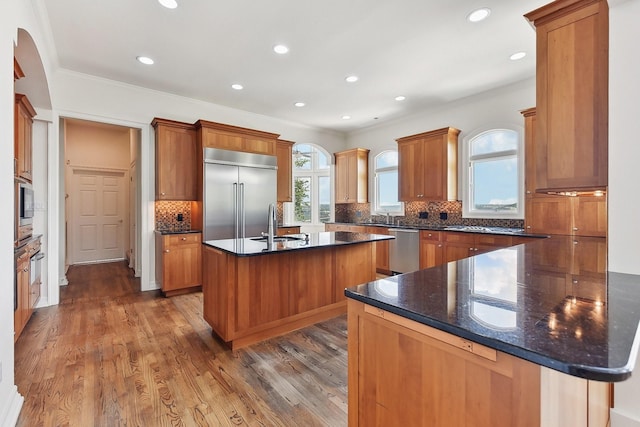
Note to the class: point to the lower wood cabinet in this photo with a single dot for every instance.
(382, 250)
(576, 216)
(27, 290)
(404, 373)
(458, 245)
(179, 262)
(431, 248)
(283, 231)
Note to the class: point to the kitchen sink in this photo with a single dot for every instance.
(276, 238)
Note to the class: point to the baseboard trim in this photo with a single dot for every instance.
(623, 419)
(9, 415)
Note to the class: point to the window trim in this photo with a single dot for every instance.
(375, 207)
(314, 174)
(466, 175)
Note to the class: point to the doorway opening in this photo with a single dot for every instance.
(102, 205)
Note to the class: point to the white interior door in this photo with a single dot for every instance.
(97, 212)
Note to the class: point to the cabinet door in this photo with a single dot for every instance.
(179, 258)
(589, 216)
(431, 249)
(283, 154)
(175, 163)
(24, 114)
(382, 250)
(458, 246)
(434, 171)
(343, 161)
(548, 215)
(572, 95)
(410, 167)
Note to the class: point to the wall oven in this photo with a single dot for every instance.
(24, 211)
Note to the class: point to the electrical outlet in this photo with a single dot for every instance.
(423, 215)
(443, 216)
(180, 217)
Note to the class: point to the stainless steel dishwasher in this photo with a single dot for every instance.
(404, 250)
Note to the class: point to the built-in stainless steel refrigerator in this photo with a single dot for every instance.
(238, 188)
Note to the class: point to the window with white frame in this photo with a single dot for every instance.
(493, 181)
(311, 184)
(386, 184)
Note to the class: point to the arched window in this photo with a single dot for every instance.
(311, 184)
(494, 175)
(386, 184)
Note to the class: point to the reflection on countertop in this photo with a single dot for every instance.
(550, 301)
(258, 246)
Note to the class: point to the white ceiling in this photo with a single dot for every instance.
(425, 50)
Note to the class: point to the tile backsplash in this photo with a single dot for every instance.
(361, 212)
(167, 216)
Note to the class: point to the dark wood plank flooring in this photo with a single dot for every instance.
(110, 355)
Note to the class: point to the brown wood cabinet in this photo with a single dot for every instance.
(284, 151)
(176, 164)
(403, 373)
(352, 176)
(227, 137)
(428, 166)
(577, 216)
(572, 39)
(27, 293)
(251, 298)
(179, 262)
(23, 145)
(431, 248)
(458, 245)
(284, 230)
(557, 214)
(382, 250)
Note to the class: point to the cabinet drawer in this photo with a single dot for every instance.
(182, 239)
(459, 237)
(431, 235)
(283, 231)
(492, 240)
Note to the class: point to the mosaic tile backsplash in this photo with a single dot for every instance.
(167, 216)
(361, 212)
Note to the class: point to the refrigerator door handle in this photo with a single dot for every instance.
(236, 223)
(242, 213)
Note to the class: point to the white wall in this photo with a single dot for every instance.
(624, 175)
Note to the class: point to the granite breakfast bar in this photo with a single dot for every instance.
(253, 291)
(530, 335)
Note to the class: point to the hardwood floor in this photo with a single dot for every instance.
(110, 355)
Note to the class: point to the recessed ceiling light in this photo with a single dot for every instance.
(517, 55)
(299, 104)
(169, 4)
(351, 79)
(479, 14)
(145, 60)
(237, 86)
(346, 117)
(400, 98)
(281, 49)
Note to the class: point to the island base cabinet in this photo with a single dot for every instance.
(404, 373)
(247, 299)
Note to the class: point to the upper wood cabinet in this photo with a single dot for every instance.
(24, 114)
(227, 137)
(428, 166)
(571, 95)
(176, 164)
(284, 152)
(352, 176)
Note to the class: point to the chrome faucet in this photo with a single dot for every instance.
(271, 227)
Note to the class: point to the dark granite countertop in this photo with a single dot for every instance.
(251, 247)
(178, 231)
(550, 301)
(458, 228)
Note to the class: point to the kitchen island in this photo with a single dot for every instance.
(253, 291)
(528, 335)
